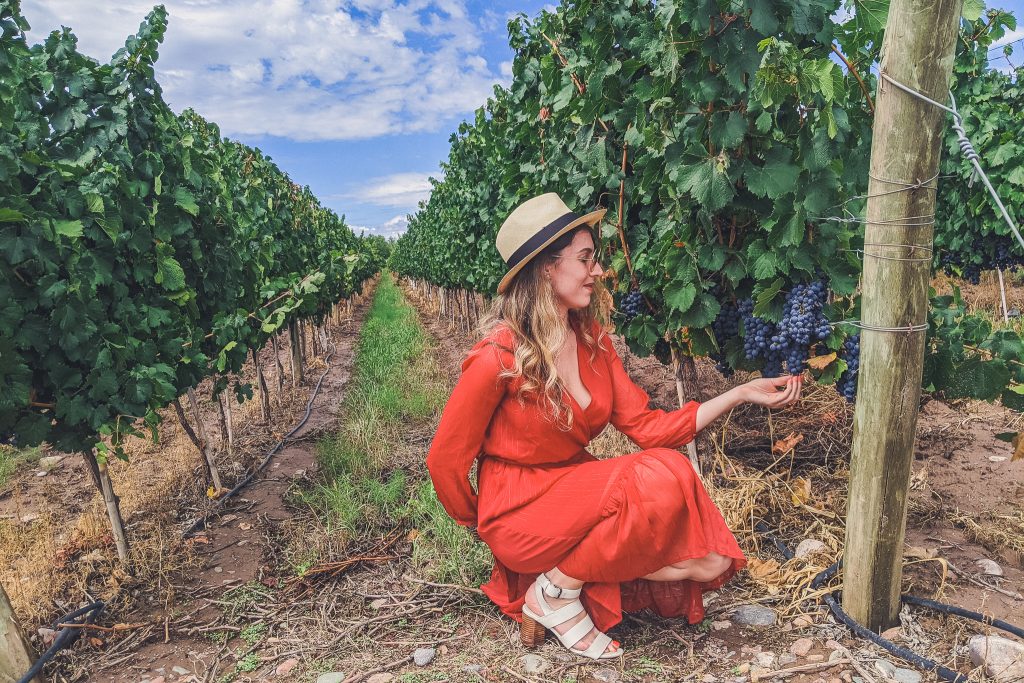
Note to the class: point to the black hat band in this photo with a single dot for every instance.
(540, 237)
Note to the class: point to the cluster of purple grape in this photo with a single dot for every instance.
(995, 252)
(847, 382)
(726, 326)
(632, 304)
(788, 342)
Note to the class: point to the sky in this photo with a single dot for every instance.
(355, 98)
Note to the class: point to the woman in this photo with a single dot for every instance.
(624, 533)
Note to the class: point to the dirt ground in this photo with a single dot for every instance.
(229, 608)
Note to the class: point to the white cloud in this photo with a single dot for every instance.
(305, 70)
(397, 190)
(391, 228)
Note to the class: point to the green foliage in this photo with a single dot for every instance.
(139, 251)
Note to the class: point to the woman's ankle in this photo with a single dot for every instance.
(562, 580)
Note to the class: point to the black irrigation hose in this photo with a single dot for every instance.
(66, 636)
(201, 522)
(901, 652)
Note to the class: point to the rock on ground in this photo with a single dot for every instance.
(332, 677)
(753, 615)
(534, 664)
(810, 546)
(1002, 658)
(423, 656)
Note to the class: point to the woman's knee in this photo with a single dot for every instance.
(706, 568)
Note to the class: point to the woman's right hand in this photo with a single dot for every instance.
(773, 392)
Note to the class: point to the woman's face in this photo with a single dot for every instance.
(572, 273)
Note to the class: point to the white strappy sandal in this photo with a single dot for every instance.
(532, 631)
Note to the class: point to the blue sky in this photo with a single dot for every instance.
(355, 98)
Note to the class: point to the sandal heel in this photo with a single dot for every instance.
(531, 633)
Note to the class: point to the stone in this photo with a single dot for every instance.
(892, 633)
(50, 461)
(858, 679)
(997, 458)
(709, 678)
(285, 667)
(1002, 658)
(835, 656)
(766, 660)
(158, 679)
(721, 625)
(423, 656)
(29, 518)
(534, 664)
(41, 473)
(988, 567)
(835, 679)
(477, 669)
(378, 603)
(801, 647)
(381, 678)
(785, 659)
(815, 658)
(742, 668)
(332, 677)
(753, 615)
(47, 634)
(907, 676)
(810, 546)
(885, 667)
(218, 569)
(605, 675)
(180, 670)
(802, 621)
(847, 676)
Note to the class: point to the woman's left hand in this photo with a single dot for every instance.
(773, 392)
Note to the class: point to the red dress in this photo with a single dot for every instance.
(544, 501)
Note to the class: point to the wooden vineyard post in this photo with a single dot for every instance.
(296, 355)
(907, 141)
(204, 441)
(261, 382)
(15, 654)
(278, 365)
(227, 428)
(101, 477)
(684, 377)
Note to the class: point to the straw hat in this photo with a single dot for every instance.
(532, 226)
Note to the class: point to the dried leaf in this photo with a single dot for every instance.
(821, 362)
(1018, 448)
(919, 553)
(761, 570)
(412, 535)
(801, 491)
(786, 445)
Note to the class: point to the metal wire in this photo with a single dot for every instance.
(875, 328)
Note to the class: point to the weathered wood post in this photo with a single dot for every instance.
(15, 654)
(907, 141)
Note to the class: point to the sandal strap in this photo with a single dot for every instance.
(553, 591)
(598, 647)
(553, 617)
(576, 633)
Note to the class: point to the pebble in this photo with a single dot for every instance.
(180, 670)
(285, 667)
(30, 517)
(1002, 658)
(835, 656)
(721, 625)
(534, 664)
(988, 567)
(50, 461)
(847, 677)
(742, 668)
(907, 676)
(785, 659)
(892, 633)
(753, 615)
(477, 669)
(801, 647)
(815, 658)
(423, 656)
(218, 569)
(605, 675)
(709, 678)
(997, 458)
(381, 678)
(802, 622)
(41, 473)
(332, 677)
(766, 660)
(378, 603)
(885, 667)
(810, 546)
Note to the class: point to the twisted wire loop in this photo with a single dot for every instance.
(922, 327)
(911, 259)
(966, 148)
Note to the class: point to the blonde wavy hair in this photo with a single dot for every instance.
(529, 310)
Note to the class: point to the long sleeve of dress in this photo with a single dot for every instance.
(647, 427)
(460, 434)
